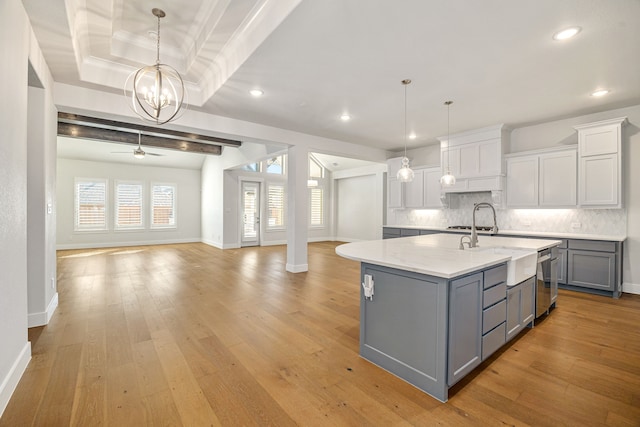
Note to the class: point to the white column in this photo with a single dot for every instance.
(297, 206)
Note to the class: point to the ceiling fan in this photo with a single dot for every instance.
(138, 152)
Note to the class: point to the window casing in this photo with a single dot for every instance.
(276, 219)
(163, 206)
(90, 204)
(129, 207)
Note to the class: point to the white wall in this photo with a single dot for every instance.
(356, 209)
(15, 350)
(188, 213)
(360, 203)
(41, 202)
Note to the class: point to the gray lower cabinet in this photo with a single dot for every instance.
(594, 265)
(405, 232)
(520, 307)
(390, 232)
(592, 269)
(403, 329)
(465, 326)
(431, 331)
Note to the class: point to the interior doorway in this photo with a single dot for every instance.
(250, 213)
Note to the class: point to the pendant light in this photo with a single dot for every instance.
(405, 174)
(157, 91)
(448, 179)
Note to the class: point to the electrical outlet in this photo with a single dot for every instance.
(576, 225)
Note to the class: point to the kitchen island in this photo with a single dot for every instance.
(435, 311)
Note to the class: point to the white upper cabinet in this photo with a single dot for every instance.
(432, 188)
(600, 164)
(423, 192)
(414, 191)
(558, 179)
(522, 182)
(544, 178)
(475, 159)
(395, 198)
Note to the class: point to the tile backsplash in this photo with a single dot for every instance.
(576, 221)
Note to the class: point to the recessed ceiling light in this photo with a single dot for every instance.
(256, 92)
(412, 136)
(566, 33)
(345, 117)
(600, 92)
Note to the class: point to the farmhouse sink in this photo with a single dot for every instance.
(522, 265)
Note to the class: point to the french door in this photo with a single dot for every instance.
(250, 213)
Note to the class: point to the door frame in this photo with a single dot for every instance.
(260, 182)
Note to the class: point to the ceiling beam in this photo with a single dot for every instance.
(110, 135)
(79, 126)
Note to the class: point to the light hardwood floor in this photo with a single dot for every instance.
(191, 335)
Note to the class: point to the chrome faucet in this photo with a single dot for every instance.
(462, 242)
(474, 232)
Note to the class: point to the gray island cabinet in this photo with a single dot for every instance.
(424, 329)
(436, 312)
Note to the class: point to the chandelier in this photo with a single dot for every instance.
(405, 173)
(157, 91)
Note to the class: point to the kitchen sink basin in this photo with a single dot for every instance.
(522, 265)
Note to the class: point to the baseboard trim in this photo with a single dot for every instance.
(10, 382)
(631, 288)
(42, 318)
(68, 246)
(297, 268)
(216, 245)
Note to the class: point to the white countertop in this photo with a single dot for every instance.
(437, 254)
(543, 234)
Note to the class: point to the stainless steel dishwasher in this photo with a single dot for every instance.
(546, 280)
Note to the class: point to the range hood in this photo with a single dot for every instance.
(475, 158)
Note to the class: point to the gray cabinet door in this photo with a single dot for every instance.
(528, 301)
(562, 266)
(520, 306)
(596, 270)
(514, 305)
(465, 326)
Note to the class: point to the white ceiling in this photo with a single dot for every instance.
(317, 59)
(99, 151)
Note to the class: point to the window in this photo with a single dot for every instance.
(275, 207)
(163, 206)
(251, 167)
(90, 204)
(316, 208)
(128, 205)
(315, 168)
(275, 165)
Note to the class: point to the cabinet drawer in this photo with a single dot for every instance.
(493, 316)
(495, 275)
(493, 295)
(592, 245)
(425, 232)
(404, 232)
(493, 340)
